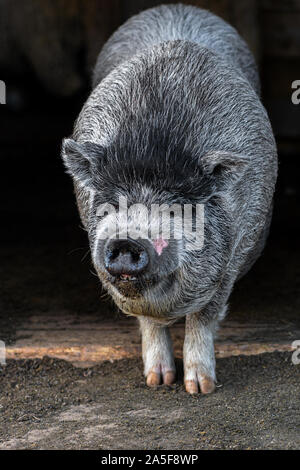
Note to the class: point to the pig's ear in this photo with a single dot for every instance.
(224, 168)
(82, 160)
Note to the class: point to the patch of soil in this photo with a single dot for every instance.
(49, 404)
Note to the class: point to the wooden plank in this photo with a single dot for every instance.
(86, 341)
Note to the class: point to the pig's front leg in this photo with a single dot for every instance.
(199, 355)
(157, 353)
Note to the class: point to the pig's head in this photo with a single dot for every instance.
(126, 195)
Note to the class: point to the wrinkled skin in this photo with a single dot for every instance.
(175, 118)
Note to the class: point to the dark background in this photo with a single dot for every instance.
(47, 51)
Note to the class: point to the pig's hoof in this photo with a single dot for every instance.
(207, 385)
(191, 386)
(155, 378)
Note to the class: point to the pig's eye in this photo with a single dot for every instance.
(105, 209)
(217, 170)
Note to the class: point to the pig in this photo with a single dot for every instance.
(174, 119)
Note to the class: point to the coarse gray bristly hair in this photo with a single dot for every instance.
(179, 81)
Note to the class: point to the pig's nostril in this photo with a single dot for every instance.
(125, 257)
(136, 257)
(114, 254)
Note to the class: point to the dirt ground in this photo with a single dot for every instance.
(49, 404)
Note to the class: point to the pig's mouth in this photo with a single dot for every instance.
(129, 285)
(132, 286)
(127, 278)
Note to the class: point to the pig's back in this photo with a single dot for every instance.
(173, 22)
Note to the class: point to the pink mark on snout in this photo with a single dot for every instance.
(159, 245)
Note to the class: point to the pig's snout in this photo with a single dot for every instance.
(126, 258)
(133, 267)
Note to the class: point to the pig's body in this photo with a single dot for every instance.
(175, 117)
